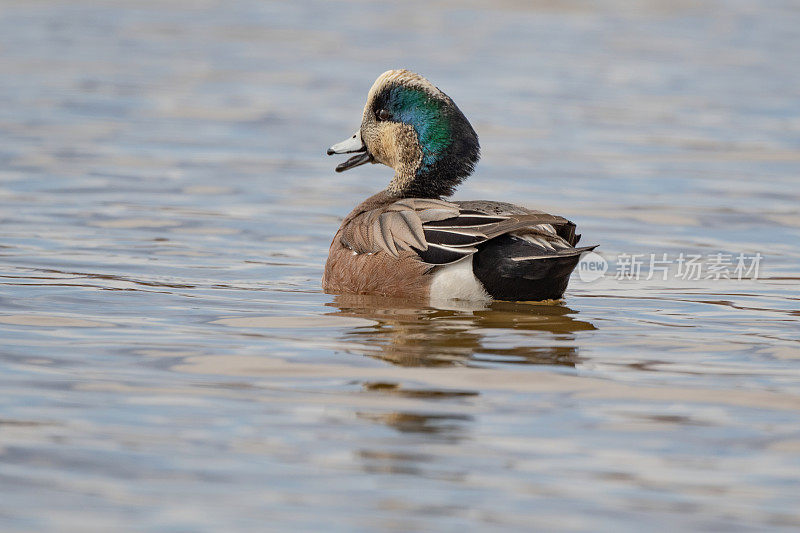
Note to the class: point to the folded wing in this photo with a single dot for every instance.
(442, 232)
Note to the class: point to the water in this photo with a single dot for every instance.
(169, 363)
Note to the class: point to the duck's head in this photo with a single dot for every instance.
(413, 127)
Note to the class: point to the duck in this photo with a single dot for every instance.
(409, 240)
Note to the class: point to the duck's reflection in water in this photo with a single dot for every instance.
(464, 333)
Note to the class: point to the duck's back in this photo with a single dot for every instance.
(469, 250)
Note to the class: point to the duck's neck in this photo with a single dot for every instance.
(424, 185)
(437, 175)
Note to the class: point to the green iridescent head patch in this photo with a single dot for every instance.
(427, 114)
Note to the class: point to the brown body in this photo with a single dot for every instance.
(374, 271)
(393, 246)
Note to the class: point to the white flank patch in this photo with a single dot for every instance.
(457, 282)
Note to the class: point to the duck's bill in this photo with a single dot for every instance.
(355, 161)
(352, 145)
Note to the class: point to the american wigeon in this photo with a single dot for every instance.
(406, 241)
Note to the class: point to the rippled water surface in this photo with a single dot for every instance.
(169, 363)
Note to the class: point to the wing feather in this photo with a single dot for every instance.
(453, 238)
(384, 232)
(417, 233)
(441, 232)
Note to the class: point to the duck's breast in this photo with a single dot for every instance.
(375, 273)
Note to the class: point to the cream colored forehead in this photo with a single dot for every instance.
(401, 77)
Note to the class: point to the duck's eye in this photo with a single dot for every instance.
(382, 114)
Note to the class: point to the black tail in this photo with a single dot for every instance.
(512, 268)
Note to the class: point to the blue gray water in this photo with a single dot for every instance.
(169, 363)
